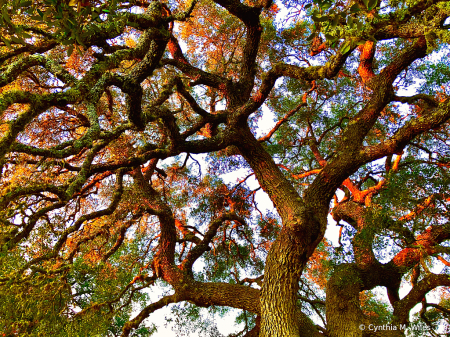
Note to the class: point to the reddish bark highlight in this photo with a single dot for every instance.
(365, 68)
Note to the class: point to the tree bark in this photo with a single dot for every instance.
(303, 228)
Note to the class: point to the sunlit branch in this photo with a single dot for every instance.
(313, 145)
(215, 119)
(365, 196)
(425, 244)
(79, 222)
(117, 107)
(182, 16)
(439, 307)
(203, 246)
(429, 100)
(31, 224)
(417, 293)
(191, 101)
(444, 261)
(301, 175)
(257, 280)
(197, 75)
(134, 323)
(408, 132)
(366, 57)
(312, 73)
(40, 47)
(361, 124)
(419, 208)
(281, 122)
(14, 70)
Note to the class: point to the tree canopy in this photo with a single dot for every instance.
(118, 120)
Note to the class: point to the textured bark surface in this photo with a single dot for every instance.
(344, 315)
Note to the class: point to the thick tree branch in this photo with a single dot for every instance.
(203, 246)
(433, 119)
(197, 75)
(308, 74)
(417, 293)
(145, 313)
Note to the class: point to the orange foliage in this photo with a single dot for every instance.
(364, 298)
(317, 270)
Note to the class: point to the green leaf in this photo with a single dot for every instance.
(70, 50)
(6, 15)
(350, 22)
(309, 38)
(8, 44)
(335, 20)
(78, 38)
(72, 22)
(355, 8)
(366, 3)
(345, 48)
(307, 6)
(359, 25)
(330, 37)
(97, 29)
(321, 19)
(17, 40)
(133, 24)
(325, 6)
(372, 4)
(67, 42)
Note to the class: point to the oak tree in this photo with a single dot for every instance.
(118, 120)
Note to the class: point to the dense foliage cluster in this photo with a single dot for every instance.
(119, 119)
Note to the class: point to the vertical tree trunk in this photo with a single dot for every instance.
(343, 309)
(303, 228)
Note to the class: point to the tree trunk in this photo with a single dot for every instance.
(303, 228)
(343, 310)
